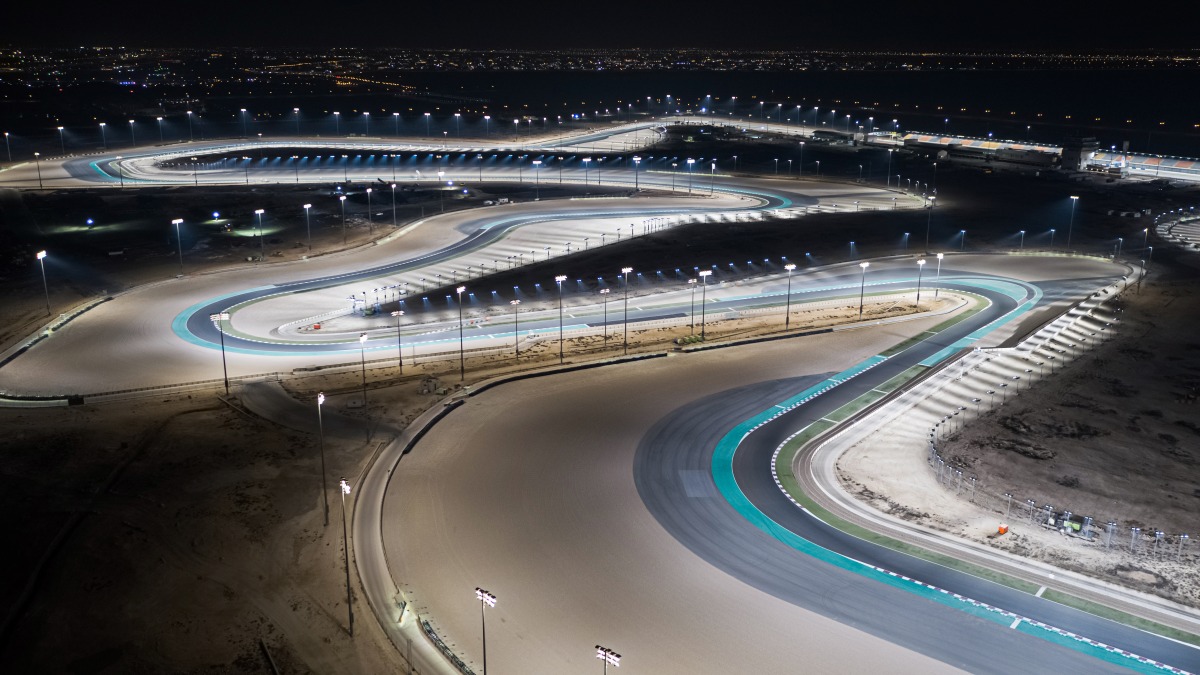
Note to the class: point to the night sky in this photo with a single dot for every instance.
(962, 25)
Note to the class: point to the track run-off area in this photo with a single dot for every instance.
(631, 505)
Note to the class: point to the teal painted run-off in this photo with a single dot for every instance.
(722, 469)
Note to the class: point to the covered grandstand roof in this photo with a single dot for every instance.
(978, 143)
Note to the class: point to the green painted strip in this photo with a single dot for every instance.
(723, 476)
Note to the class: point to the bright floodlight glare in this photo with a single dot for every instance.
(560, 278)
(308, 206)
(864, 265)
(705, 273)
(941, 255)
(177, 221)
(41, 254)
(259, 212)
(320, 398)
(484, 596)
(345, 486)
(342, 198)
(790, 266)
(460, 289)
(608, 655)
(362, 337)
(626, 270)
(921, 262)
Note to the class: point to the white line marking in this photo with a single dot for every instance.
(1040, 591)
(1016, 622)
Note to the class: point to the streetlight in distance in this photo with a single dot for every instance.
(862, 287)
(342, 200)
(179, 242)
(516, 329)
(308, 225)
(1071, 222)
(608, 656)
(370, 220)
(217, 319)
(704, 274)
(692, 308)
(928, 220)
(559, 280)
(345, 485)
(920, 270)
(41, 258)
(537, 166)
(937, 288)
(362, 350)
(625, 318)
(262, 250)
(787, 312)
(486, 599)
(37, 161)
(1022, 240)
(637, 161)
(604, 292)
(462, 363)
(321, 435)
(400, 345)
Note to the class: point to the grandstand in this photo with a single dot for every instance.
(1148, 166)
(985, 150)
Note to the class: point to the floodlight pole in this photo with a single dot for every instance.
(346, 556)
(704, 274)
(516, 329)
(625, 271)
(321, 436)
(179, 243)
(217, 319)
(486, 599)
(920, 270)
(787, 312)
(862, 287)
(41, 258)
(399, 346)
(559, 280)
(462, 363)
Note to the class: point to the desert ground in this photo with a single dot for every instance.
(183, 533)
(1113, 435)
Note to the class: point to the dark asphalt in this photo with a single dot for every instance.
(673, 474)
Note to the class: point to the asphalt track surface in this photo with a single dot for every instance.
(484, 231)
(673, 467)
(673, 473)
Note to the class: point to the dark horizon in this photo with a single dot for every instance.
(870, 26)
